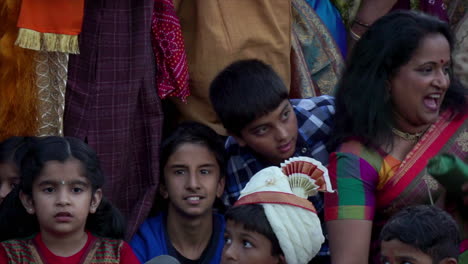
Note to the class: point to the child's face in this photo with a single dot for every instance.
(62, 198)
(397, 252)
(9, 178)
(245, 247)
(272, 136)
(193, 180)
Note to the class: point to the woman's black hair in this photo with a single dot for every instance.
(253, 218)
(363, 108)
(427, 228)
(107, 221)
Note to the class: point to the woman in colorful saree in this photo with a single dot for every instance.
(397, 106)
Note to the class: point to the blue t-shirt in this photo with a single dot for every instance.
(152, 240)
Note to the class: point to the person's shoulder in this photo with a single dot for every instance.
(15, 242)
(311, 103)
(238, 156)
(150, 225)
(320, 108)
(356, 147)
(219, 217)
(18, 241)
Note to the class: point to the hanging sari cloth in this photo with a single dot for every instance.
(51, 25)
(316, 60)
(168, 45)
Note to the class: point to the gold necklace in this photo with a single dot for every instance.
(408, 136)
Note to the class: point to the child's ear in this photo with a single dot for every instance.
(27, 202)
(95, 201)
(220, 189)
(163, 191)
(448, 261)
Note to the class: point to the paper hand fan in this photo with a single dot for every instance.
(307, 176)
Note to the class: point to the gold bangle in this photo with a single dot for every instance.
(354, 35)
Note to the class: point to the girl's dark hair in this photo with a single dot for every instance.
(427, 228)
(13, 149)
(363, 108)
(253, 218)
(106, 221)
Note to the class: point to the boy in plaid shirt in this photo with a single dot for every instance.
(264, 126)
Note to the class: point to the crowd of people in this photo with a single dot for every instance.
(227, 199)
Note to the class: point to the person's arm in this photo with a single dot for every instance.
(349, 241)
(349, 211)
(369, 11)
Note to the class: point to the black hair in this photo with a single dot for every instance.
(427, 228)
(245, 91)
(253, 218)
(363, 108)
(195, 133)
(107, 221)
(13, 149)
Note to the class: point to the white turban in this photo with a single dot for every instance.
(293, 219)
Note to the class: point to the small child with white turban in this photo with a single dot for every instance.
(270, 223)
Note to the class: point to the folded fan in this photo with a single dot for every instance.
(307, 176)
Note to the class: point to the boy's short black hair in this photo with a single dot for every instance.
(245, 91)
(253, 218)
(427, 228)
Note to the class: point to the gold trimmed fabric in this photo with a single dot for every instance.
(321, 57)
(51, 72)
(51, 25)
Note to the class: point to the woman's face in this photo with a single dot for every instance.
(418, 88)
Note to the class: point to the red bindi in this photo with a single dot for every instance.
(442, 61)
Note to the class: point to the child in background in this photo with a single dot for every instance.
(270, 224)
(60, 187)
(421, 234)
(192, 177)
(9, 172)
